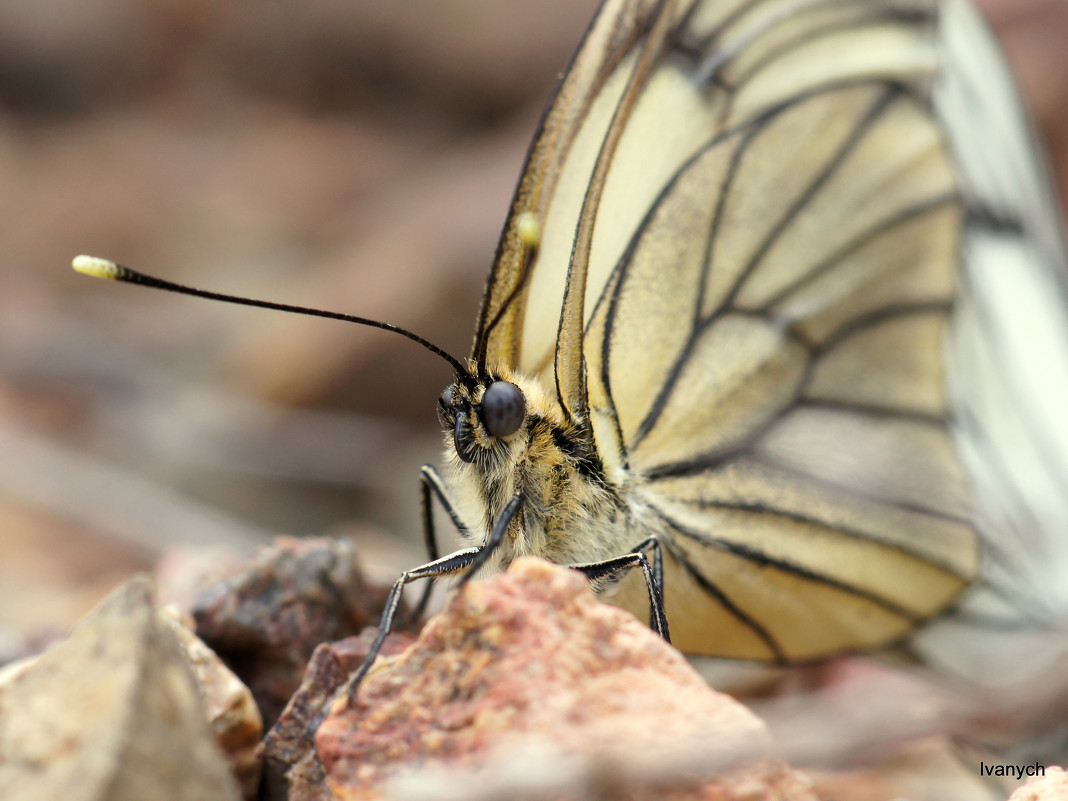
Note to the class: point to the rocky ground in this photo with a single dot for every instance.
(357, 156)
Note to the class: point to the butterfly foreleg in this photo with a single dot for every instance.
(495, 539)
(446, 565)
(467, 560)
(653, 572)
(432, 487)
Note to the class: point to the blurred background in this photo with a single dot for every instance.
(346, 154)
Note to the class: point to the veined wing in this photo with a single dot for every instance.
(579, 105)
(765, 350)
(654, 82)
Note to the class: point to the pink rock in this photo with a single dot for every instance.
(292, 770)
(531, 660)
(1053, 786)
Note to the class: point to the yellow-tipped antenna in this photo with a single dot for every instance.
(98, 268)
(102, 268)
(529, 230)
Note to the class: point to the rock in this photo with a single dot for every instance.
(231, 711)
(112, 713)
(293, 771)
(1052, 786)
(529, 680)
(266, 621)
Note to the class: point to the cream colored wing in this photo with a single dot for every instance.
(750, 231)
(653, 83)
(545, 184)
(767, 352)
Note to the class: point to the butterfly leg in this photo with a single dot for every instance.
(467, 560)
(653, 573)
(453, 563)
(430, 487)
(495, 539)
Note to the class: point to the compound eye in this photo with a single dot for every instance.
(445, 402)
(503, 408)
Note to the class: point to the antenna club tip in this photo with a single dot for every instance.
(98, 268)
(528, 229)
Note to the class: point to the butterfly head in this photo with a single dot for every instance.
(483, 415)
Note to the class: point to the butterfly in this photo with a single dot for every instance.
(726, 361)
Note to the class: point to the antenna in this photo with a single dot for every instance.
(109, 270)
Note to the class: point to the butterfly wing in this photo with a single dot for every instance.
(782, 408)
(1008, 373)
(757, 215)
(553, 184)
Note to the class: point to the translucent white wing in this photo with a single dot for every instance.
(1009, 370)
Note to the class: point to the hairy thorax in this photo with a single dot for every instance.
(572, 513)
